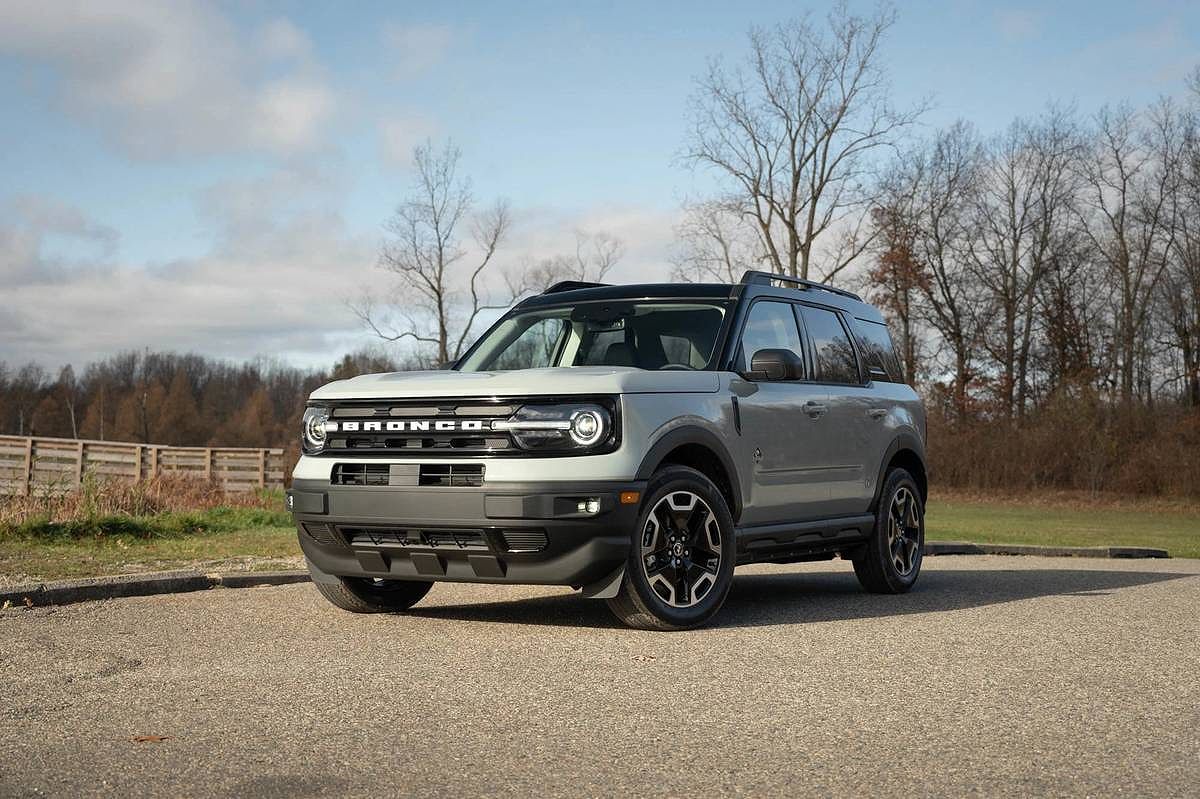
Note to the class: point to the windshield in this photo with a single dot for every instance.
(646, 335)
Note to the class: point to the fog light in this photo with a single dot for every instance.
(589, 506)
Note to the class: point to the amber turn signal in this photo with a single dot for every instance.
(630, 497)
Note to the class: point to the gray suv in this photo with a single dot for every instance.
(634, 442)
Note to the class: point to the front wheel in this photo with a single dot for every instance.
(681, 556)
(369, 595)
(891, 560)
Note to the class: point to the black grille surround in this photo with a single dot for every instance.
(484, 442)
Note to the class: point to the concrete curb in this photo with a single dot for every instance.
(177, 582)
(963, 548)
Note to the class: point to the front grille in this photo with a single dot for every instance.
(384, 537)
(483, 441)
(457, 475)
(451, 474)
(361, 474)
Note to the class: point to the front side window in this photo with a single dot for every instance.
(770, 326)
(832, 350)
(643, 335)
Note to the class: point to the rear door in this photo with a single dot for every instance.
(784, 426)
(855, 420)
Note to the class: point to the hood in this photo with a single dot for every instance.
(518, 383)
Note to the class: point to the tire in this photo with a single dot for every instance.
(890, 561)
(685, 531)
(366, 595)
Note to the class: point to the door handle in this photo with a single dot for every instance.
(815, 409)
(877, 413)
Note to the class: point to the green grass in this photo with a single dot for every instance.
(217, 539)
(242, 538)
(1074, 524)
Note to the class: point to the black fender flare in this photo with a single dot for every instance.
(692, 434)
(904, 440)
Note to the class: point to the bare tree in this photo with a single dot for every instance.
(1132, 177)
(713, 243)
(942, 180)
(794, 132)
(1023, 209)
(71, 393)
(594, 257)
(438, 294)
(1181, 281)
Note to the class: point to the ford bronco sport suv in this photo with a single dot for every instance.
(635, 442)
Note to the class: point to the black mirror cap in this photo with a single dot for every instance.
(775, 364)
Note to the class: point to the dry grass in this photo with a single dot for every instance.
(167, 505)
(165, 494)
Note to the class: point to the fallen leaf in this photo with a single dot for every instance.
(7, 604)
(149, 739)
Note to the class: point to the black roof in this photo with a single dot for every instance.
(752, 284)
(636, 291)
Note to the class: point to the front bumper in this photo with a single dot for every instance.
(528, 533)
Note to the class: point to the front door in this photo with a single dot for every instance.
(785, 434)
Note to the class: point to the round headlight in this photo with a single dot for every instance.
(586, 428)
(314, 428)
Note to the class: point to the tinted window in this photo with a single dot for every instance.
(770, 326)
(832, 350)
(878, 351)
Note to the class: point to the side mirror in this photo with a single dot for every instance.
(775, 364)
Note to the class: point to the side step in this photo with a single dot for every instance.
(801, 540)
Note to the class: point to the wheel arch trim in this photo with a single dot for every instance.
(683, 436)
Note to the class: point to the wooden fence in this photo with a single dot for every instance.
(57, 465)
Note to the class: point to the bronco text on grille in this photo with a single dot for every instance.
(429, 426)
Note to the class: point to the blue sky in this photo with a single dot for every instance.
(214, 176)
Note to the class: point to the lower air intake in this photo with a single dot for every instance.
(525, 540)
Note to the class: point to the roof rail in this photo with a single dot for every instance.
(754, 277)
(571, 285)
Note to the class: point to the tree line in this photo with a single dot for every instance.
(169, 398)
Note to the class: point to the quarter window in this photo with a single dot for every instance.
(832, 350)
(770, 326)
(878, 351)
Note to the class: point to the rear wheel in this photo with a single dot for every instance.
(370, 595)
(681, 557)
(891, 559)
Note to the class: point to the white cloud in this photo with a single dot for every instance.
(274, 284)
(399, 135)
(282, 40)
(415, 48)
(174, 78)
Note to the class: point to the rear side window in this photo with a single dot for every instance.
(878, 351)
(832, 350)
(770, 326)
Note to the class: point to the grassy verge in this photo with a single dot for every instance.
(1065, 521)
(57, 545)
(225, 539)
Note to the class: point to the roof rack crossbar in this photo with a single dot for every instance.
(571, 285)
(755, 277)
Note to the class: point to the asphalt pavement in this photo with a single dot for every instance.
(996, 676)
